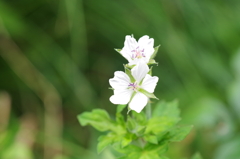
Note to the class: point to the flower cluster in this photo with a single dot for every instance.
(136, 85)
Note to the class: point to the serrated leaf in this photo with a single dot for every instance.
(179, 134)
(146, 93)
(155, 52)
(151, 138)
(98, 118)
(158, 125)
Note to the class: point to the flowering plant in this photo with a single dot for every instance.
(137, 135)
(135, 86)
(142, 50)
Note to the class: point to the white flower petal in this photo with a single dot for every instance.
(143, 40)
(140, 70)
(120, 80)
(147, 45)
(135, 61)
(121, 96)
(149, 83)
(130, 44)
(138, 102)
(126, 54)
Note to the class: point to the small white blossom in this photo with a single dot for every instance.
(135, 51)
(127, 91)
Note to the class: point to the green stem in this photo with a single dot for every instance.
(148, 110)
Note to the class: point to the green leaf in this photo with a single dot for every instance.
(119, 117)
(120, 108)
(152, 62)
(158, 125)
(167, 109)
(127, 139)
(98, 118)
(131, 125)
(150, 151)
(134, 155)
(129, 73)
(120, 120)
(140, 118)
(118, 50)
(141, 130)
(149, 95)
(141, 154)
(150, 71)
(156, 149)
(136, 125)
(151, 138)
(155, 52)
(121, 140)
(104, 141)
(178, 134)
(128, 149)
(129, 66)
(197, 156)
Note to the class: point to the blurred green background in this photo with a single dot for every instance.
(56, 58)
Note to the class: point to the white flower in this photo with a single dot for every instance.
(126, 91)
(135, 51)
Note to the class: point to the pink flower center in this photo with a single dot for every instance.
(133, 86)
(138, 53)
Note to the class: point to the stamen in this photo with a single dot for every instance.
(132, 86)
(137, 53)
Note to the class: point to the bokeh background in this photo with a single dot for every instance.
(56, 58)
